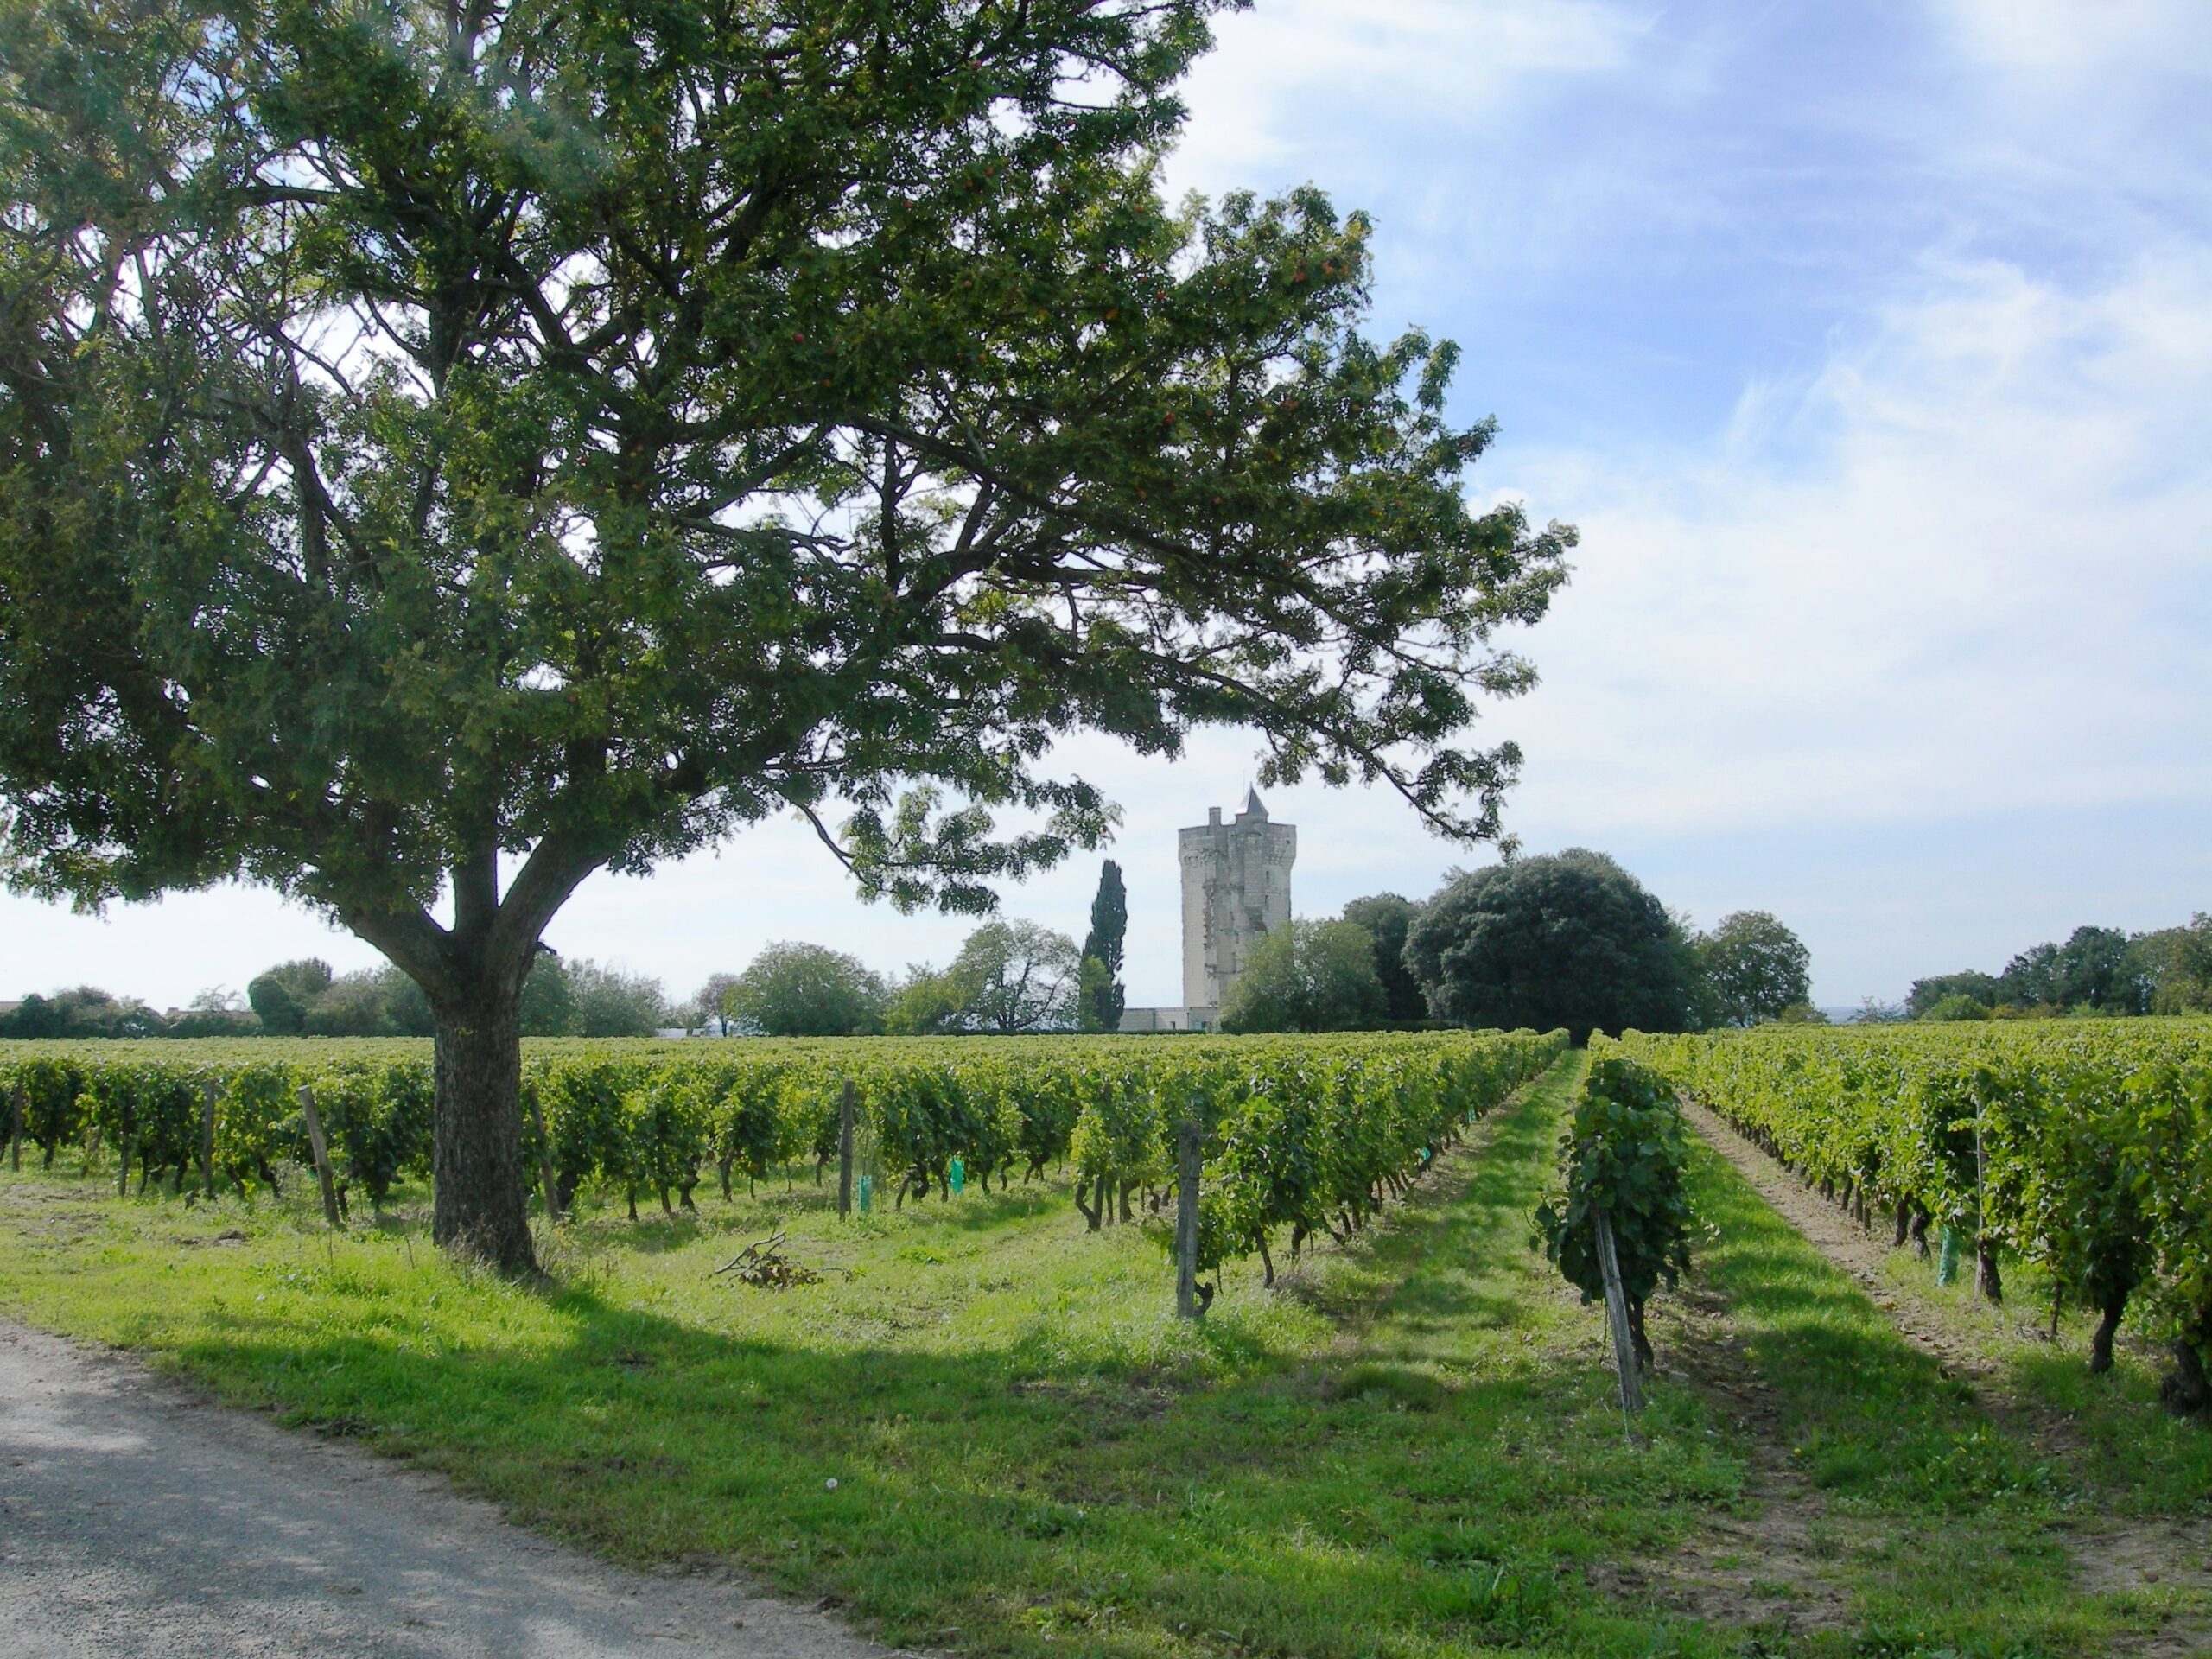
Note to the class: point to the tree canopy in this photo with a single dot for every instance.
(1016, 976)
(1749, 968)
(282, 995)
(605, 1001)
(1306, 976)
(806, 990)
(79, 1012)
(1387, 918)
(1927, 993)
(1568, 939)
(444, 454)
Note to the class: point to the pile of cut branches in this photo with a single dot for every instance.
(764, 1262)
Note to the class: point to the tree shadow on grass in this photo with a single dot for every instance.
(1008, 1491)
(1151, 1488)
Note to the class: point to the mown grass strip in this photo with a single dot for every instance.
(1949, 1530)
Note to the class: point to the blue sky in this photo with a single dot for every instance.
(1870, 348)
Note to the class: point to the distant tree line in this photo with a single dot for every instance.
(1570, 939)
(2097, 970)
(307, 999)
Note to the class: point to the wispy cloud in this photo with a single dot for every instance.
(1964, 570)
(1307, 76)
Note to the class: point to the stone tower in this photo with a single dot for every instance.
(1236, 887)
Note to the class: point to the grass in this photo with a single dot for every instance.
(1947, 1527)
(1410, 1449)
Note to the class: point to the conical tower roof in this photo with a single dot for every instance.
(1253, 806)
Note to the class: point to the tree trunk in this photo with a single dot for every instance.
(480, 1202)
(2185, 1389)
(1641, 1342)
(2114, 1309)
(1986, 1279)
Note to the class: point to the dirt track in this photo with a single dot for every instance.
(137, 1520)
(2111, 1553)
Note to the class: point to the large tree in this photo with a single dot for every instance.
(1306, 976)
(806, 990)
(1749, 969)
(1569, 939)
(1016, 976)
(282, 995)
(447, 451)
(1104, 994)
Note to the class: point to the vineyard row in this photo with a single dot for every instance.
(1302, 1136)
(2084, 1147)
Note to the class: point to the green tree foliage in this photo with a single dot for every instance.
(1306, 976)
(1624, 1155)
(305, 997)
(281, 996)
(351, 1005)
(1749, 968)
(214, 1012)
(607, 1001)
(1569, 939)
(1103, 996)
(2172, 968)
(548, 1005)
(1016, 976)
(81, 1011)
(1388, 919)
(2088, 971)
(445, 454)
(2096, 970)
(1975, 987)
(924, 1003)
(806, 990)
(1095, 997)
(35, 1016)
(709, 1009)
(1957, 1007)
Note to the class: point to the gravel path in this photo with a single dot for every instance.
(137, 1520)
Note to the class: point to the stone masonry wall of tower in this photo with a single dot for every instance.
(1236, 888)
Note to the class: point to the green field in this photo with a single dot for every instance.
(1408, 1447)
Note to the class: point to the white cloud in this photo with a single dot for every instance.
(1965, 570)
(1317, 76)
(2067, 40)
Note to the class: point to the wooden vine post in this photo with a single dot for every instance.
(207, 1136)
(321, 1147)
(1187, 1219)
(1617, 1315)
(16, 1132)
(551, 1186)
(845, 1153)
